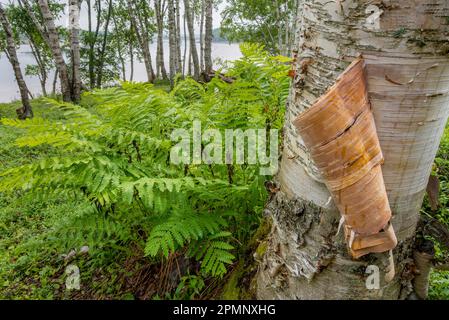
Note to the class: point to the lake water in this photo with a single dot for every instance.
(9, 90)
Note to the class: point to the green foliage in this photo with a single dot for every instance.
(440, 280)
(439, 288)
(259, 21)
(102, 175)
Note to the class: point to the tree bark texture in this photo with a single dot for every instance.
(53, 38)
(404, 44)
(74, 15)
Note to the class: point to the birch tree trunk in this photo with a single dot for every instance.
(74, 16)
(184, 57)
(102, 52)
(120, 50)
(160, 64)
(92, 39)
(51, 34)
(172, 40)
(142, 37)
(26, 112)
(404, 44)
(193, 50)
(178, 38)
(131, 59)
(208, 37)
(40, 63)
(202, 35)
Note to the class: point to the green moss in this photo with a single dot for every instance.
(240, 285)
(261, 249)
(232, 290)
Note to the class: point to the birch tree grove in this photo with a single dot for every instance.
(405, 49)
(26, 111)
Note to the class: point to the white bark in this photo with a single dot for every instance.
(26, 111)
(208, 37)
(142, 37)
(51, 34)
(74, 16)
(192, 40)
(172, 40)
(160, 64)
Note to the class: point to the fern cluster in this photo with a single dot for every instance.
(113, 151)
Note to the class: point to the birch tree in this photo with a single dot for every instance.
(405, 50)
(160, 8)
(192, 40)
(26, 111)
(104, 42)
(51, 36)
(138, 15)
(178, 37)
(208, 37)
(172, 40)
(74, 16)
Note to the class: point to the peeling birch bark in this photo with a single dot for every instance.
(405, 46)
(26, 110)
(74, 15)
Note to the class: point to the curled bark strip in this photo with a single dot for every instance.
(411, 80)
(340, 133)
(393, 81)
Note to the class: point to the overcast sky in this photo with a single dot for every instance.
(83, 18)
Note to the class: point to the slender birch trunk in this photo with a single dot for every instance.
(99, 80)
(142, 37)
(184, 59)
(208, 37)
(26, 111)
(119, 48)
(50, 35)
(192, 40)
(93, 39)
(131, 58)
(74, 16)
(405, 50)
(202, 35)
(178, 38)
(55, 83)
(42, 70)
(160, 68)
(172, 40)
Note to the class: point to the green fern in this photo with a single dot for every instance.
(112, 154)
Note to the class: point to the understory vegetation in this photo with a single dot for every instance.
(439, 288)
(92, 185)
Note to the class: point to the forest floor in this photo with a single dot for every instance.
(30, 270)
